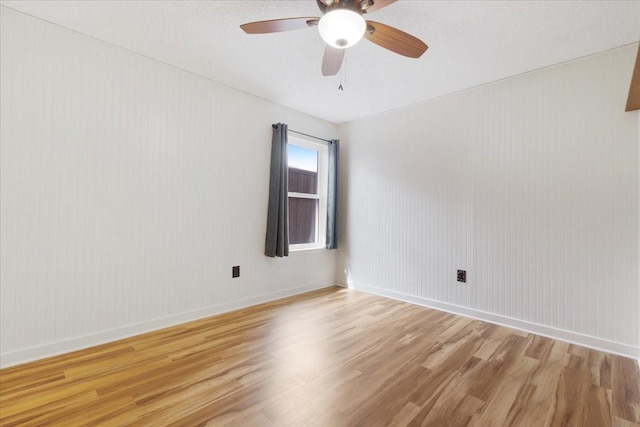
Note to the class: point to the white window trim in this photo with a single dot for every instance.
(323, 181)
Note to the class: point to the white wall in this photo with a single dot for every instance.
(530, 184)
(128, 191)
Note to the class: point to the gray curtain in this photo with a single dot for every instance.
(332, 196)
(277, 240)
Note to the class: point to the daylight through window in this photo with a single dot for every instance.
(307, 193)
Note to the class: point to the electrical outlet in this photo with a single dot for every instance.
(462, 276)
(235, 271)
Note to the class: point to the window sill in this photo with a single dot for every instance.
(306, 249)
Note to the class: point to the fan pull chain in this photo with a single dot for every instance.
(343, 74)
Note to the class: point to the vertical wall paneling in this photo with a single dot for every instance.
(128, 190)
(530, 184)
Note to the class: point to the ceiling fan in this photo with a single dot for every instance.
(341, 26)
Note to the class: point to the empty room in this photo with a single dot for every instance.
(319, 213)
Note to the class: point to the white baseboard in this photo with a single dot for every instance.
(547, 331)
(52, 349)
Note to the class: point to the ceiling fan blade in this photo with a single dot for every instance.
(395, 40)
(277, 25)
(379, 4)
(332, 61)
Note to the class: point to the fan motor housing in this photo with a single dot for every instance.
(355, 5)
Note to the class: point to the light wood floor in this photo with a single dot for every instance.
(328, 358)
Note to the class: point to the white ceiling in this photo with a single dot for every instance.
(470, 43)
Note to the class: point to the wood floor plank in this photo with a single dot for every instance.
(596, 409)
(454, 405)
(511, 399)
(540, 396)
(625, 389)
(333, 357)
(619, 422)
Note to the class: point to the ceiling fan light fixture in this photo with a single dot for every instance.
(342, 28)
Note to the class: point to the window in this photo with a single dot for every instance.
(307, 166)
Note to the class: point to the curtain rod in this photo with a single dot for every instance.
(305, 134)
(310, 136)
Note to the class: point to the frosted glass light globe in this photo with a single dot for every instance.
(342, 28)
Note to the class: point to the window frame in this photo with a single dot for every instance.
(323, 181)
